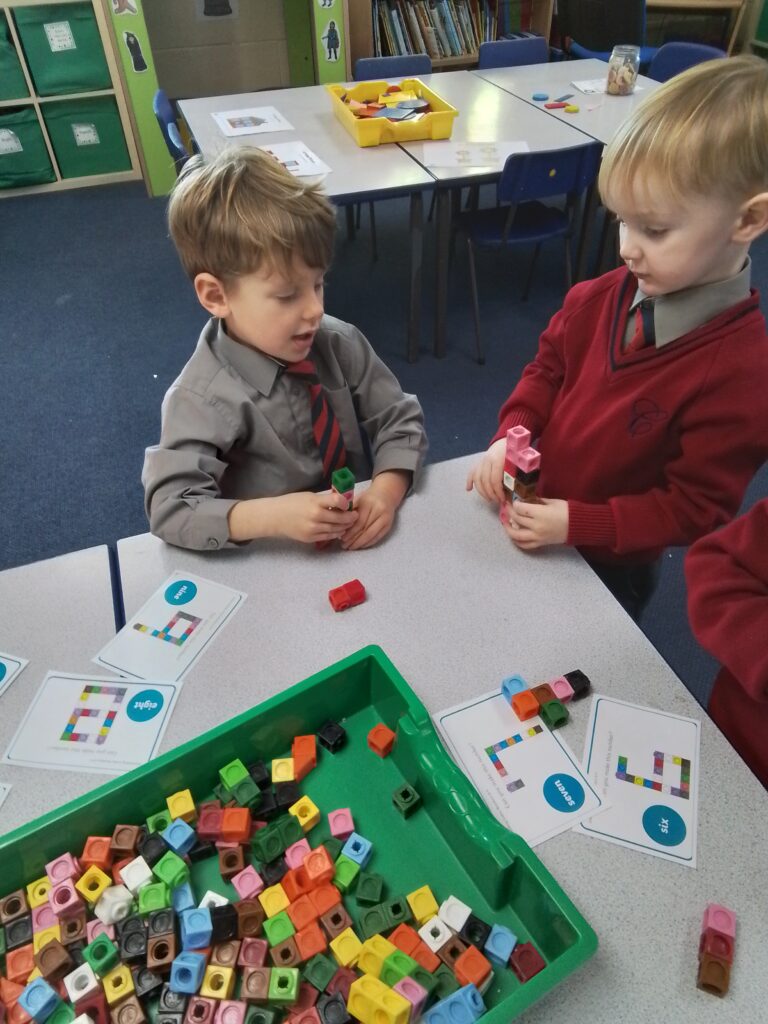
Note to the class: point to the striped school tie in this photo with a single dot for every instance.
(325, 426)
(645, 332)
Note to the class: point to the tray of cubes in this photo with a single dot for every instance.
(318, 859)
(378, 112)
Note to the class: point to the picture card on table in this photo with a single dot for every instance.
(297, 158)
(91, 724)
(10, 666)
(171, 629)
(470, 154)
(253, 121)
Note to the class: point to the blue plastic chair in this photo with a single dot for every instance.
(672, 58)
(164, 112)
(526, 179)
(513, 53)
(176, 147)
(594, 27)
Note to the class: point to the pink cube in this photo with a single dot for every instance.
(248, 882)
(342, 825)
(296, 853)
(62, 868)
(230, 1011)
(43, 917)
(253, 953)
(561, 688)
(518, 438)
(528, 459)
(415, 993)
(256, 826)
(720, 918)
(94, 928)
(65, 899)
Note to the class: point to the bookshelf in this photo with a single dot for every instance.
(448, 30)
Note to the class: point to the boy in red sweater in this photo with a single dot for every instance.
(727, 575)
(648, 390)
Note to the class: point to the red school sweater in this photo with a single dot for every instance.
(727, 576)
(649, 448)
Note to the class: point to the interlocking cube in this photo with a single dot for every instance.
(248, 882)
(341, 823)
(39, 1000)
(282, 769)
(64, 898)
(512, 685)
(465, 1005)
(296, 852)
(92, 884)
(381, 739)
(136, 874)
(306, 812)
(187, 972)
(423, 904)
(181, 805)
(454, 913)
(180, 836)
(81, 983)
(114, 904)
(62, 868)
(526, 961)
(562, 689)
(118, 984)
(435, 933)
(500, 944)
(196, 928)
(346, 948)
(370, 999)
(357, 849)
(218, 983)
(37, 892)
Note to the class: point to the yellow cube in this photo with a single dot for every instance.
(218, 982)
(373, 954)
(273, 900)
(370, 999)
(181, 805)
(423, 904)
(282, 769)
(306, 811)
(37, 892)
(40, 939)
(92, 884)
(346, 948)
(118, 984)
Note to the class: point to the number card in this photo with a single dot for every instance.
(646, 764)
(87, 724)
(10, 666)
(171, 630)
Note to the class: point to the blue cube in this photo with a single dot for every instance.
(512, 685)
(196, 928)
(466, 1005)
(499, 944)
(182, 898)
(187, 972)
(358, 849)
(39, 1000)
(180, 836)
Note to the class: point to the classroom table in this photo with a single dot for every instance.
(458, 608)
(487, 113)
(357, 174)
(56, 613)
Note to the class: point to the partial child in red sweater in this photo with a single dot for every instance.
(727, 575)
(647, 394)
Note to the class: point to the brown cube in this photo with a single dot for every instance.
(225, 954)
(254, 987)
(125, 840)
(200, 1010)
(54, 961)
(714, 975)
(13, 906)
(161, 952)
(525, 492)
(129, 1011)
(450, 951)
(335, 920)
(74, 928)
(231, 862)
(286, 953)
(543, 693)
(250, 918)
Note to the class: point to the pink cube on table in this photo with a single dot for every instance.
(414, 993)
(248, 882)
(720, 918)
(528, 459)
(230, 1011)
(561, 688)
(342, 825)
(43, 917)
(253, 952)
(62, 868)
(65, 899)
(94, 928)
(296, 852)
(518, 438)
(716, 944)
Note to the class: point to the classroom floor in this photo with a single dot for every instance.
(98, 319)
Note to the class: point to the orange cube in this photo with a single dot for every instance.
(19, 964)
(381, 739)
(424, 956)
(405, 938)
(525, 705)
(97, 852)
(319, 866)
(324, 898)
(295, 883)
(310, 941)
(472, 968)
(301, 911)
(17, 1014)
(304, 753)
(10, 990)
(235, 825)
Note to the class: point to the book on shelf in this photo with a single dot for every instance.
(439, 28)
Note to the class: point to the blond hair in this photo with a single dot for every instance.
(705, 132)
(243, 211)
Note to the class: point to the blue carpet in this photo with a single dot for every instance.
(98, 319)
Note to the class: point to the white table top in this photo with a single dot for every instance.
(354, 170)
(599, 115)
(488, 113)
(457, 608)
(58, 614)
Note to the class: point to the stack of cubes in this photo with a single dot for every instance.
(547, 700)
(716, 945)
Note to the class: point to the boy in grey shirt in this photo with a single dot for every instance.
(276, 395)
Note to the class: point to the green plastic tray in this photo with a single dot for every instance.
(451, 843)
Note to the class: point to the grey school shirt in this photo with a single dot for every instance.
(234, 426)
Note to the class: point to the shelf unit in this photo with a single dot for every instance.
(759, 41)
(361, 38)
(38, 102)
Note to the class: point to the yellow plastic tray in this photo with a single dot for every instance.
(373, 131)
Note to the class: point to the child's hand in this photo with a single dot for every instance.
(534, 526)
(377, 507)
(488, 475)
(309, 517)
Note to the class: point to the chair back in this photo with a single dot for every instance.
(599, 25)
(672, 58)
(512, 53)
(176, 146)
(556, 172)
(372, 68)
(163, 112)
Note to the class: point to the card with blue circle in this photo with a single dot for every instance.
(10, 666)
(93, 724)
(172, 629)
(646, 764)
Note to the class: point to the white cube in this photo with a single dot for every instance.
(81, 982)
(435, 933)
(213, 899)
(454, 913)
(113, 905)
(136, 874)
(83, 1018)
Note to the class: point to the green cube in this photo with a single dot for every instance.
(343, 480)
(333, 847)
(102, 954)
(63, 1014)
(397, 911)
(155, 896)
(373, 921)
(289, 829)
(284, 985)
(159, 822)
(262, 1015)
(267, 845)
(554, 713)
(246, 793)
(278, 928)
(406, 800)
(233, 773)
(396, 966)
(370, 888)
(443, 980)
(429, 981)
(171, 869)
(319, 970)
(346, 872)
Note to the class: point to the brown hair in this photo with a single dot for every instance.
(241, 211)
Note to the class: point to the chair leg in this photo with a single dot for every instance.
(374, 246)
(349, 212)
(475, 305)
(529, 279)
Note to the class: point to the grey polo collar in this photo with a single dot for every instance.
(255, 367)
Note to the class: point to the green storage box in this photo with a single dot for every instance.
(63, 48)
(13, 85)
(451, 842)
(24, 158)
(87, 136)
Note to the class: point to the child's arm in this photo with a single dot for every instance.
(727, 577)
(304, 516)
(376, 508)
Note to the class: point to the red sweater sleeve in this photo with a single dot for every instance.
(727, 576)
